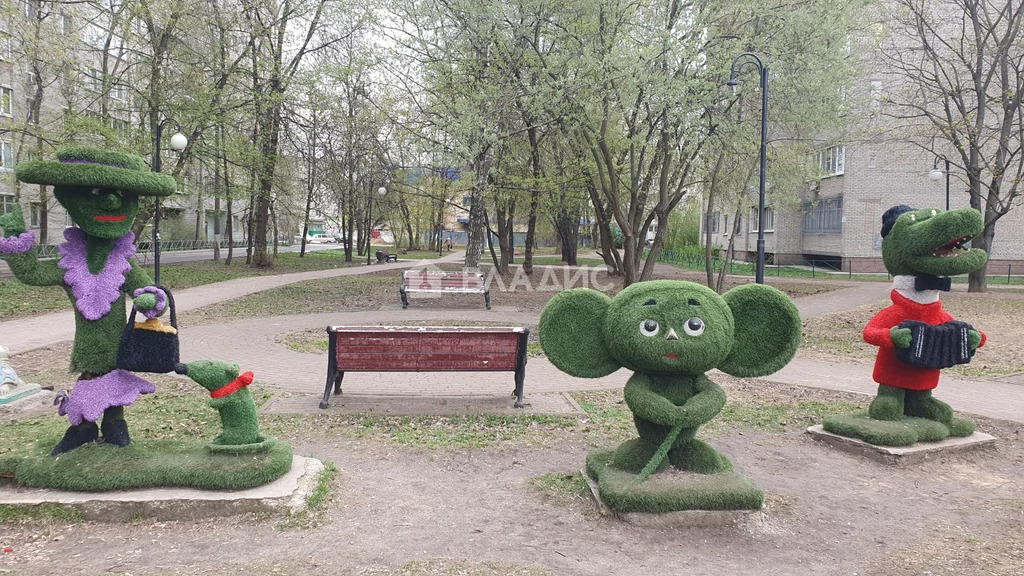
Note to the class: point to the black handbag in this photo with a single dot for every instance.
(937, 347)
(149, 346)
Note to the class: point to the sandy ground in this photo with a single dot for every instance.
(476, 512)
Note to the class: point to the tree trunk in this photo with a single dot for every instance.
(482, 165)
(568, 227)
(978, 281)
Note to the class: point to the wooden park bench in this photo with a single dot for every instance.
(444, 283)
(384, 256)
(425, 349)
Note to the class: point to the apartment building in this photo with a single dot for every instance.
(835, 220)
(89, 99)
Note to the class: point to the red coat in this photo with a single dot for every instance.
(889, 369)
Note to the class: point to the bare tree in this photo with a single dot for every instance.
(957, 70)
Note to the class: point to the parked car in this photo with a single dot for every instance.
(320, 239)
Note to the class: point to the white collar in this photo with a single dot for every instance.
(904, 284)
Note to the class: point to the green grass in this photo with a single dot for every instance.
(46, 512)
(150, 463)
(312, 515)
(19, 300)
(557, 261)
(740, 268)
(562, 488)
(349, 293)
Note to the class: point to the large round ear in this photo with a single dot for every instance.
(767, 330)
(572, 335)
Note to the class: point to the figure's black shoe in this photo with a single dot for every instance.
(76, 436)
(115, 432)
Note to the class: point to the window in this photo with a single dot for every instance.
(35, 214)
(715, 217)
(119, 92)
(5, 46)
(876, 94)
(6, 101)
(824, 216)
(6, 203)
(769, 219)
(6, 155)
(26, 8)
(119, 126)
(832, 160)
(725, 224)
(65, 24)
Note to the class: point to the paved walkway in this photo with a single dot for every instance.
(35, 332)
(296, 372)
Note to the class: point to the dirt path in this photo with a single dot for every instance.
(829, 513)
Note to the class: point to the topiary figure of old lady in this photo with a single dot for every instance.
(669, 333)
(100, 190)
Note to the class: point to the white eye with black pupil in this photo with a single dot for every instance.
(694, 327)
(649, 328)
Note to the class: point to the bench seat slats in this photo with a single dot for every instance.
(441, 282)
(425, 349)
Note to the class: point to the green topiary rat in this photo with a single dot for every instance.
(669, 333)
(229, 396)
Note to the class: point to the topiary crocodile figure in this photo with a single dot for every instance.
(916, 338)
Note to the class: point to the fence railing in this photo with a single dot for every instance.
(51, 250)
(821, 268)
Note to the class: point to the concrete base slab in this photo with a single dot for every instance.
(551, 403)
(286, 494)
(23, 390)
(34, 405)
(682, 519)
(902, 455)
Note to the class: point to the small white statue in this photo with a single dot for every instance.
(8, 378)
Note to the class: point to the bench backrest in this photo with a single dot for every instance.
(423, 280)
(427, 349)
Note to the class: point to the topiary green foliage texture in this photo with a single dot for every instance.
(921, 249)
(99, 189)
(669, 333)
(148, 463)
(231, 398)
(83, 166)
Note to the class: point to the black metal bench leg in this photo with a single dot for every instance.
(487, 299)
(337, 383)
(518, 392)
(405, 297)
(327, 391)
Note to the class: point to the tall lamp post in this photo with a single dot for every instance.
(936, 175)
(178, 143)
(382, 191)
(749, 58)
(440, 232)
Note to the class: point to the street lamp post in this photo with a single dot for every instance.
(178, 143)
(753, 59)
(440, 232)
(369, 225)
(936, 174)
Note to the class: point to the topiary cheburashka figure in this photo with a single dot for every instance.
(916, 338)
(669, 333)
(100, 190)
